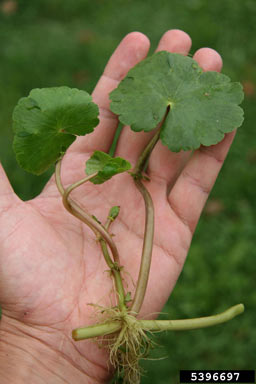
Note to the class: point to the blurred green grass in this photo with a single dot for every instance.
(58, 42)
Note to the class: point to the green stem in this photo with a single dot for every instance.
(115, 270)
(114, 267)
(70, 205)
(149, 227)
(142, 160)
(160, 325)
(187, 324)
(73, 186)
(139, 167)
(96, 330)
(78, 212)
(108, 223)
(149, 221)
(146, 250)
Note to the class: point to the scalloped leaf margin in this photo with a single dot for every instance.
(47, 122)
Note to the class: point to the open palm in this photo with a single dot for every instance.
(51, 264)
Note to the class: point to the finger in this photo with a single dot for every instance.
(164, 164)
(130, 143)
(7, 196)
(208, 59)
(191, 190)
(132, 49)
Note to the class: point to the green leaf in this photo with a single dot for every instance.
(114, 212)
(95, 218)
(106, 166)
(128, 297)
(203, 105)
(47, 122)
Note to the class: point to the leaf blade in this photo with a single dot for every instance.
(203, 105)
(106, 166)
(47, 122)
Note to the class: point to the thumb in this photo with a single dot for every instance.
(7, 195)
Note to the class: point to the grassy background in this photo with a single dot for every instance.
(62, 42)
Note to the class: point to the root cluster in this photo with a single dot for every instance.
(127, 346)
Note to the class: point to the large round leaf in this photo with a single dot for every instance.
(203, 105)
(47, 121)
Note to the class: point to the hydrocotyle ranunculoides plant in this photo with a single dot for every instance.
(186, 107)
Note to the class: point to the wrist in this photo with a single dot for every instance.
(30, 359)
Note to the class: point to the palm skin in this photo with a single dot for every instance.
(51, 264)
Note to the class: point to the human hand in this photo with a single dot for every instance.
(51, 265)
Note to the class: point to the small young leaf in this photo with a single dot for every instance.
(47, 122)
(106, 166)
(128, 297)
(203, 105)
(95, 218)
(114, 212)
